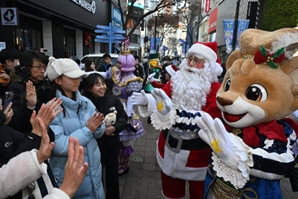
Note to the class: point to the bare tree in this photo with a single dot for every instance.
(172, 43)
(189, 17)
(127, 11)
(163, 24)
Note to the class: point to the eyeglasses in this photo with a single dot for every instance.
(40, 67)
(195, 60)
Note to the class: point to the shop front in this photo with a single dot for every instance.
(58, 26)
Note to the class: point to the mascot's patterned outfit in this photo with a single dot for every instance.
(181, 154)
(254, 149)
(125, 83)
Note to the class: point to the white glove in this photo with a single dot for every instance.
(139, 98)
(150, 78)
(163, 102)
(215, 135)
(229, 150)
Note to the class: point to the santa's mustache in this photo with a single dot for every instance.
(192, 69)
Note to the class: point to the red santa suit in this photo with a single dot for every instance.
(193, 154)
(181, 154)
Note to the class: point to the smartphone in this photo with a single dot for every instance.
(8, 98)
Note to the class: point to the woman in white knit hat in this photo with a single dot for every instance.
(78, 119)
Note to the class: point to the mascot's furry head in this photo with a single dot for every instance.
(261, 83)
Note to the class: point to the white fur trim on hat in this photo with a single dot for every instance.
(201, 51)
(170, 70)
(58, 67)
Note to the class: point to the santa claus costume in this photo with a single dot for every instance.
(181, 154)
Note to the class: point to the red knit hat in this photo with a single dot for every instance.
(171, 69)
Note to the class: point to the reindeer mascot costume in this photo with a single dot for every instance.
(252, 150)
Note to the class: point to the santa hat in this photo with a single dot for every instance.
(204, 50)
(171, 69)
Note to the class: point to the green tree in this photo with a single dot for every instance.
(280, 14)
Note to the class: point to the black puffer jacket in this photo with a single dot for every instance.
(13, 142)
(106, 105)
(18, 79)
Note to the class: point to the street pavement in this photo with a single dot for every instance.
(143, 180)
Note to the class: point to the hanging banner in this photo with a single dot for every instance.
(242, 25)
(152, 47)
(228, 28)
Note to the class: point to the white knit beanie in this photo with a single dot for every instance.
(58, 67)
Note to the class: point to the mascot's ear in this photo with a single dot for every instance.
(233, 57)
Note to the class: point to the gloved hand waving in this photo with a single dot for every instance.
(139, 99)
(150, 78)
(163, 102)
(215, 135)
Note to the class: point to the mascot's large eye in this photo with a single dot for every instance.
(227, 84)
(256, 92)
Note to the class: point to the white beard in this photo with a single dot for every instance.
(190, 89)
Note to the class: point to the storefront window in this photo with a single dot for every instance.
(135, 38)
(69, 47)
(28, 39)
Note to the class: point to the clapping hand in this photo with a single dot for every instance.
(75, 168)
(95, 121)
(46, 113)
(31, 96)
(46, 146)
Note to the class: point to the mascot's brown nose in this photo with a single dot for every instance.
(223, 101)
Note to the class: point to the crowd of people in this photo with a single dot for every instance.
(56, 124)
(54, 107)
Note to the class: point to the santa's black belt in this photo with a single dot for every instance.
(192, 144)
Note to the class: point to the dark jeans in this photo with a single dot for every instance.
(109, 148)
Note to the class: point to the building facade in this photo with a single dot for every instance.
(64, 27)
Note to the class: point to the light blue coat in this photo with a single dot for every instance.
(73, 123)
